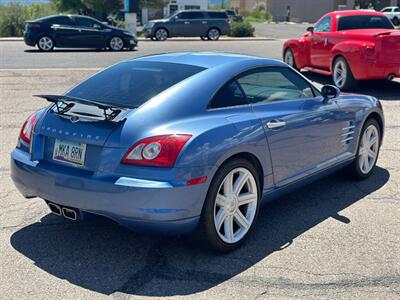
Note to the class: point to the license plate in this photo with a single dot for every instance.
(70, 152)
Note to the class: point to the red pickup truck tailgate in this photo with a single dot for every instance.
(390, 47)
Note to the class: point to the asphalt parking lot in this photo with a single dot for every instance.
(333, 239)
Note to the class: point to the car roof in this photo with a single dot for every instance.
(358, 12)
(207, 59)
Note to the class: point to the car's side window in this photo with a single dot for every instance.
(324, 25)
(61, 21)
(396, 9)
(229, 95)
(270, 84)
(217, 15)
(189, 15)
(85, 22)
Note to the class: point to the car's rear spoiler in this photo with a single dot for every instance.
(63, 104)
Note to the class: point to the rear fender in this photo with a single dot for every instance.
(215, 146)
(355, 53)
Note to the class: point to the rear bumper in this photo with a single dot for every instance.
(144, 206)
(29, 40)
(376, 70)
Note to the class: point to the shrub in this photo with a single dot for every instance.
(242, 29)
(258, 15)
(13, 16)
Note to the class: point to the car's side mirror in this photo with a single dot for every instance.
(310, 29)
(330, 92)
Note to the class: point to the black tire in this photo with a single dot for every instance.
(45, 43)
(206, 234)
(292, 63)
(213, 34)
(396, 21)
(348, 83)
(354, 169)
(161, 34)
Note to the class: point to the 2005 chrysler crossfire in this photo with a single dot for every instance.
(191, 142)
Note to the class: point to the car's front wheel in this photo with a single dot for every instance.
(368, 150)
(231, 206)
(116, 43)
(289, 58)
(161, 34)
(45, 43)
(342, 76)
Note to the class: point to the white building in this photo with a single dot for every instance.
(175, 5)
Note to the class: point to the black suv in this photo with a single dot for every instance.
(69, 31)
(189, 23)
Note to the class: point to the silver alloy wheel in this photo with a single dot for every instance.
(340, 73)
(116, 43)
(161, 34)
(235, 205)
(369, 147)
(213, 34)
(289, 59)
(45, 43)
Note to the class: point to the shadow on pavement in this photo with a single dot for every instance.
(100, 256)
(381, 89)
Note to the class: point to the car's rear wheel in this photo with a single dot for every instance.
(289, 58)
(342, 76)
(45, 43)
(368, 150)
(396, 21)
(161, 34)
(231, 206)
(213, 34)
(116, 43)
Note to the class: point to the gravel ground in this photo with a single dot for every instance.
(332, 239)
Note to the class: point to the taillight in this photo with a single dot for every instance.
(27, 129)
(156, 151)
(33, 25)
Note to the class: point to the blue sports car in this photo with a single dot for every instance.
(191, 142)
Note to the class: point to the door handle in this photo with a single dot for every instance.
(186, 22)
(275, 124)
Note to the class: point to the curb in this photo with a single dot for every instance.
(141, 39)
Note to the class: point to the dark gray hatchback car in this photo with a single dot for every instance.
(189, 23)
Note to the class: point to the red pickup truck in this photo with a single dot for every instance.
(349, 46)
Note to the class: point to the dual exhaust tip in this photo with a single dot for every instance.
(68, 213)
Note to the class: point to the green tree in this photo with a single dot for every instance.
(96, 8)
(13, 16)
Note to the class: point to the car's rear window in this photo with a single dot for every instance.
(364, 22)
(130, 84)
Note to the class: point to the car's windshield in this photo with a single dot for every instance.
(364, 22)
(130, 84)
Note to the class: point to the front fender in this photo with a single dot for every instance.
(301, 51)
